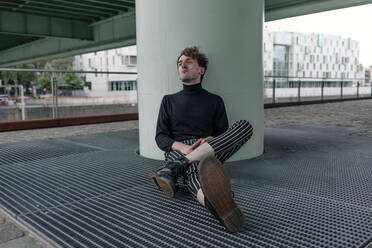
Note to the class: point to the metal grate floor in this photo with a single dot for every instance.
(312, 188)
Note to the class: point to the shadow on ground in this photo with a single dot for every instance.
(311, 188)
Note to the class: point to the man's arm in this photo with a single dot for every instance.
(221, 122)
(163, 134)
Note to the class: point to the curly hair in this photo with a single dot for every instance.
(194, 53)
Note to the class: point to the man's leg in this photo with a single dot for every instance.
(165, 178)
(214, 180)
(224, 145)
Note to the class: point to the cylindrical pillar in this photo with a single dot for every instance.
(231, 37)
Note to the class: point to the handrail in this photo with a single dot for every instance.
(65, 71)
(321, 78)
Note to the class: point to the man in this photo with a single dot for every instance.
(192, 130)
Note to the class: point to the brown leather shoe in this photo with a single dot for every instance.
(216, 187)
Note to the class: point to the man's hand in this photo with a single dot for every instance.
(206, 139)
(201, 141)
(186, 149)
(183, 148)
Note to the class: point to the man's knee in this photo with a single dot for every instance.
(246, 127)
(245, 124)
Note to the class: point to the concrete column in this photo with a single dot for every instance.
(229, 33)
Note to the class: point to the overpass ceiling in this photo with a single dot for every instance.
(83, 10)
(8, 40)
(32, 30)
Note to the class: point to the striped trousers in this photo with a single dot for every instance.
(224, 146)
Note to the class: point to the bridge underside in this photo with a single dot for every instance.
(33, 30)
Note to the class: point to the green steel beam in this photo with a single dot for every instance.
(119, 32)
(52, 6)
(64, 16)
(89, 6)
(43, 26)
(275, 10)
(51, 11)
(129, 4)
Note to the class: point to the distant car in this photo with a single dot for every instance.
(4, 100)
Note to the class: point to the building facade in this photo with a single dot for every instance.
(310, 58)
(368, 75)
(121, 60)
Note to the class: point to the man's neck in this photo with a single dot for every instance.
(191, 83)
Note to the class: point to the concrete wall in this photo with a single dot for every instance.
(32, 113)
(328, 91)
(115, 98)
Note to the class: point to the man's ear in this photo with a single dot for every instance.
(202, 71)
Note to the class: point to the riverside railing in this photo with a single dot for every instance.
(60, 102)
(279, 89)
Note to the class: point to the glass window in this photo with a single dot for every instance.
(281, 60)
(122, 85)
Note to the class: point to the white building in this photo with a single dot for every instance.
(120, 60)
(311, 58)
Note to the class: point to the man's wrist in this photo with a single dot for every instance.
(176, 146)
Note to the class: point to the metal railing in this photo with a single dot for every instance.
(54, 104)
(298, 89)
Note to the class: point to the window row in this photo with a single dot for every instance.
(122, 85)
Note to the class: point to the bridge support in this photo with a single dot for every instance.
(231, 36)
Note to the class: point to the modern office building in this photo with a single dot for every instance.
(121, 60)
(368, 75)
(288, 57)
(311, 59)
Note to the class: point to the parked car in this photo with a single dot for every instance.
(4, 99)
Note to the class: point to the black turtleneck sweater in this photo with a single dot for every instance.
(191, 113)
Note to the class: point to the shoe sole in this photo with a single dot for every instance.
(163, 184)
(216, 187)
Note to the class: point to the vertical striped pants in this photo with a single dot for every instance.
(224, 146)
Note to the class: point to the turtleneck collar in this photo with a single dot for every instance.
(192, 88)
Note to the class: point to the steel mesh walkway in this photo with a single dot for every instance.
(312, 188)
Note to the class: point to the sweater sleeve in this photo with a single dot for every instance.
(163, 133)
(221, 122)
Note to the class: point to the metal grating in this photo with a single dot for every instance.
(296, 195)
(119, 140)
(27, 187)
(141, 217)
(36, 150)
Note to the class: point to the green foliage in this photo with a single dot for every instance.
(46, 77)
(62, 64)
(72, 81)
(23, 78)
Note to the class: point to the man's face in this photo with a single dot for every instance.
(189, 70)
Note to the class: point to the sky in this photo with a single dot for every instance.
(354, 23)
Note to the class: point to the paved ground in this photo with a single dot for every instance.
(12, 236)
(353, 114)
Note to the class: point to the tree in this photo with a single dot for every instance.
(19, 77)
(46, 77)
(72, 81)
